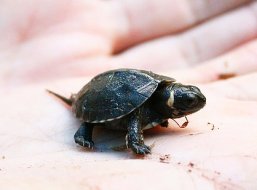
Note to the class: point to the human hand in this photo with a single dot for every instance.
(42, 40)
(42, 143)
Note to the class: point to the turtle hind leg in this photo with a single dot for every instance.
(83, 136)
(134, 138)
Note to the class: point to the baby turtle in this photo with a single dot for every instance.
(131, 100)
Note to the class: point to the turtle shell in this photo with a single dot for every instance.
(116, 93)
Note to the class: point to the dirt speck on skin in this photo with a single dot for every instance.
(225, 76)
(212, 125)
(165, 158)
(191, 134)
(3, 157)
(184, 125)
(191, 164)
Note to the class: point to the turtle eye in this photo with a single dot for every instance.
(194, 89)
(191, 101)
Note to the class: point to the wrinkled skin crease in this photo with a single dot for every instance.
(41, 49)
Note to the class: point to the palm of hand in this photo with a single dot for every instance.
(217, 149)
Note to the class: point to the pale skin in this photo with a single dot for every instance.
(61, 45)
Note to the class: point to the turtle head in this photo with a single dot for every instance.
(185, 99)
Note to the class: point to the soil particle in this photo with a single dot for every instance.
(165, 158)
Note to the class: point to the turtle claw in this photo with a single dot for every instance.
(85, 143)
(140, 149)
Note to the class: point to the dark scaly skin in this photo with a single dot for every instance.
(135, 139)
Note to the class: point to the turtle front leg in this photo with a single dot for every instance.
(134, 138)
(83, 136)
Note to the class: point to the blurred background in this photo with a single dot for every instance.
(44, 40)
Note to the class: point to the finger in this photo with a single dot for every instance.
(25, 20)
(199, 44)
(120, 22)
(237, 62)
(239, 88)
(166, 17)
(49, 56)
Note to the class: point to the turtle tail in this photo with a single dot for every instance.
(68, 101)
